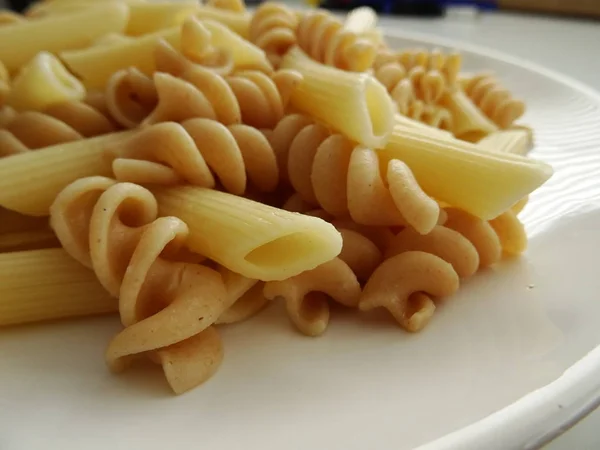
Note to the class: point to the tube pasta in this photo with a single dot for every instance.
(62, 288)
(57, 124)
(249, 238)
(325, 39)
(356, 105)
(59, 33)
(306, 295)
(403, 285)
(236, 22)
(237, 6)
(167, 307)
(149, 17)
(468, 122)
(445, 167)
(493, 100)
(328, 170)
(170, 153)
(517, 140)
(273, 28)
(29, 182)
(42, 82)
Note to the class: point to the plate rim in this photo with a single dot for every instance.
(546, 413)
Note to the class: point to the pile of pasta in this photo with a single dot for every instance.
(185, 165)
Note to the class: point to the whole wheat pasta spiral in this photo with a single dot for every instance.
(249, 97)
(415, 91)
(167, 307)
(59, 123)
(323, 38)
(273, 28)
(344, 179)
(306, 295)
(194, 152)
(130, 97)
(404, 285)
(448, 64)
(493, 99)
(466, 241)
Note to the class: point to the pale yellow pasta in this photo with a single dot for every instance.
(111, 39)
(237, 6)
(402, 285)
(468, 122)
(57, 124)
(324, 38)
(59, 33)
(42, 82)
(29, 182)
(149, 17)
(167, 307)
(9, 18)
(327, 169)
(484, 184)
(361, 20)
(62, 288)
(517, 140)
(196, 152)
(273, 28)
(252, 239)
(306, 295)
(511, 232)
(237, 22)
(354, 104)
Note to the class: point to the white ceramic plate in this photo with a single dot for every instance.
(509, 362)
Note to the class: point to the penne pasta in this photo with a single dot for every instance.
(149, 17)
(468, 122)
(62, 288)
(59, 33)
(29, 182)
(484, 184)
(237, 22)
(42, 82)
(249, 238)
(354, 104)
(516, 140)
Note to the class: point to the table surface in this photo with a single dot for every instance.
(569, 46)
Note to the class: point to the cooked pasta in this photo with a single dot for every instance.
(236, 22)
(130, 97)
(403, 285)
(468, 122)
(56, 124)
(324, 38)
(252, 239)
(59, 33)
(484, 184)
(327, 169)
(63, 288)
(306, 295)
(355, 104)
(495, 101)
(273, 28)
(43, 82)
(237, 6)
(28, 240)
(10, 18)
(149, 17)
(360, 254)
(4, 84)
(514, 140)
(247, 305)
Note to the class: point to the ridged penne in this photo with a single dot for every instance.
(468, 122)
(62, 288)
(484, 184)
(249, 238)
(42, 82)
(59, 33)
(516, 140)
(149, 17)
(354, 104)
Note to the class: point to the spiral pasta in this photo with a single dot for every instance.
(130, 97)
(323, 38)
(273, 28)
(167, 307)
(4, 84)
(306, 295)
(404, 284)
(448, 65)
(494, 100)
(59, 123)
(171, 153)
(328, 170)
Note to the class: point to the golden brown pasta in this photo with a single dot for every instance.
(403, 285)
(360, 254)
(57, 124)
(306, 295)
(166, 307)
(130, 97)
(344, 179)
(8, 18)
(273, 28)
(17, 241)
(191, 152)
(323, 38)
(494, 100)
(4, 84)
(247, 305)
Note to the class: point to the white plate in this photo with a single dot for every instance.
(513, 343)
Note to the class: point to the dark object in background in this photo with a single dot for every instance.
(581, 8)
(430, 8)
(19, 5)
